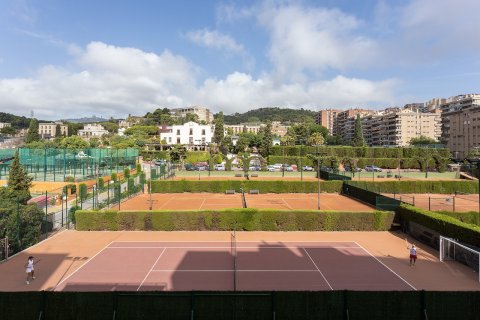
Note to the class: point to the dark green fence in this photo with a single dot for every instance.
(381, 202)
(327, 175)
(393, 305)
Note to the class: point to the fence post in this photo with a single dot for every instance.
(453, 204)
(429, 204)
(46, 213)
(413, 200)
(192, 305)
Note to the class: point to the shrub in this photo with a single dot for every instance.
(126, 173)
(446, 225)
(234, 219)
(265, 186)
(138, 168)
(101, 183)
(418, 186)
(113, 177)
(197, 156)
(83, 191)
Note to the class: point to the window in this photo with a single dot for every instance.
(178, 140)
(190, 140)
(191, 131)
(203, 132)
(178, 132)
(169, 139)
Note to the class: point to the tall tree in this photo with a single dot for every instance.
(58, 130)
(358, 140)
(316, 138)
(32, 134)
(218, 134)
(19, 182)
(266, 140)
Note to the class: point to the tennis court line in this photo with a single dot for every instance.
(227, 241)
(288, 206)
(83, 265)
(212, 247)
(229, 270)
(386, 266)
(318, 269)
(153, 266)
(201, 205)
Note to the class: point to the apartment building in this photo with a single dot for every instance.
(4, 124)
(48, 130)
(345, 122)
(461, 124)
(92, 130)
(278, 129)
(190, 133)
(396, 127)
(328, 118)
(203, 113)
(244, 127)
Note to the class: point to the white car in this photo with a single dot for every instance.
(219, 167)
(271, 168)
(278, 166)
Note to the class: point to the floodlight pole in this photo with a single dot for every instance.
(318, 178)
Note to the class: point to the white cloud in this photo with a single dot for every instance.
(311, 38)
(117, 81)
(214, 39)
(24, 11)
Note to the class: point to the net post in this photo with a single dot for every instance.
(429, 204)
(453, 204)
(413, 200)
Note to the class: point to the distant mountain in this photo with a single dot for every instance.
(17, 122)
(86, 120)
(283, 115)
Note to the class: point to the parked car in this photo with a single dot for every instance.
(307, 168)
(190, 167)
(349, 169)
(325, 168)
(254, 168)
(373, 169)
(219, 167)
(160, 162)
(271, 168)
(277, 166)
(288, 169)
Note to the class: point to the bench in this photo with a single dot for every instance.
(229, 191)
(254, 191)
(254, 175)
(381, 176)
(397, 176)
(238, 175)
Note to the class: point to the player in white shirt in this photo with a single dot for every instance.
(413, 253)
(30, 269)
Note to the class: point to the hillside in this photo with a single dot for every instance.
(271, 114)
(16, 121)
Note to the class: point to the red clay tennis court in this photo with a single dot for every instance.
(440, 202)
(216, 201)
(242, 266)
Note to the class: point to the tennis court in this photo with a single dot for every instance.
(458, 202)
(233, 266)
(216, 201)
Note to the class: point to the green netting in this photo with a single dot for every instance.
(153, 306)
(452, 305)
(309, 305)
(385, 305)
(386, 203)
(326, 175)
(77, 305)
(67, 164)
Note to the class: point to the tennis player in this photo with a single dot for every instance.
(30, 269)
(413, 253)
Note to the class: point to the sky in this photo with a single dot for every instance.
(111, 58)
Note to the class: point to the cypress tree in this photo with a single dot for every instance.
(58, 131)
(358, 140)
(266, 139)
(19, 182)
(219, 131)
(32, 134)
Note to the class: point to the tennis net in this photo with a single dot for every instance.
(466, 196)
(233, 243)
(244, 201)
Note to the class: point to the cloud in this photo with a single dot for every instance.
(117, 81)
(214, 39)
(44, 37)
(313, 38)
(24, 11)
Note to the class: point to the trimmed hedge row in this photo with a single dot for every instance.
(234, 219)
(471, 217)
(447, 226)
(387, 163)
(265, 186)
(153, 155)
(359, 152)
(418, 186)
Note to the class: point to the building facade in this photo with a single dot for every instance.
(461, 124)
(244, 127)
(203, 113)
(345, 122)
(190, 133)
(4, 124)
(278, 129)
(48, 130)
(92, 130)
(328, 119)
(395, 127)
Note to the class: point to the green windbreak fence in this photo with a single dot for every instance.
(70, 164)
(381, 202)
(326, 175)
(393, 305)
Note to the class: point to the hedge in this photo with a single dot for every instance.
(359, 152)
(471, 217)
(153, 155)
(445, 225)
(234, 219)
(418, 186)
(265, 186)
(197, 156)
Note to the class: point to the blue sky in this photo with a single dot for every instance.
(66, 59)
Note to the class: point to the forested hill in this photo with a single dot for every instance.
(271, 114)
(16, 121)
